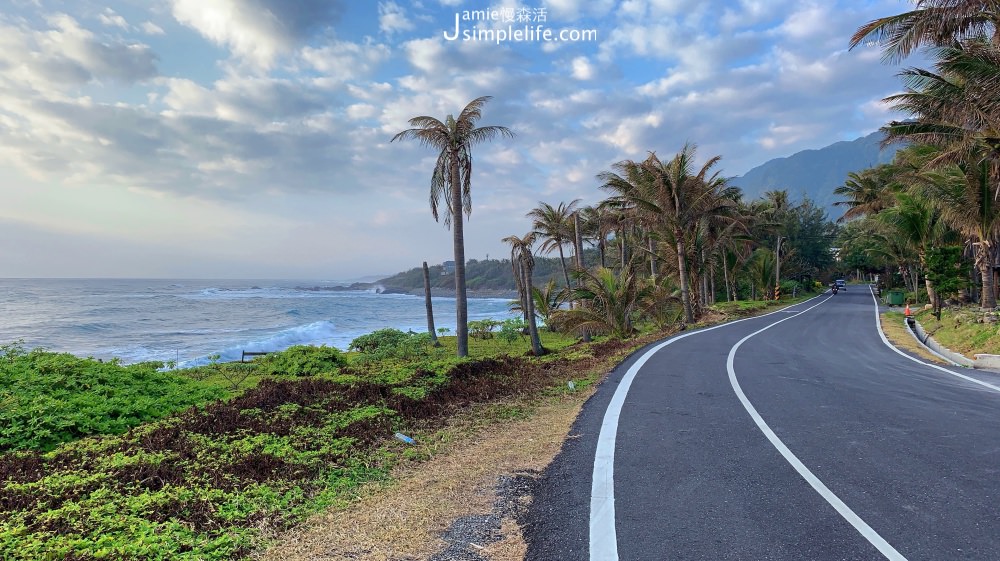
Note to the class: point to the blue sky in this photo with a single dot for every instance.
(250, 138)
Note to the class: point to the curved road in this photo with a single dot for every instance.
(799, 435)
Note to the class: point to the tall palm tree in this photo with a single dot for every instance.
(520, 251)
(867, 192)
(932, 23)
(518, 245)
(599, 222)
(958, 111)
(555, 223)
(672, 196)
(452, 182)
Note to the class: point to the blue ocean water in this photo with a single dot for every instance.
(189, 320)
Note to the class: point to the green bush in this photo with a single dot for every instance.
(301, 360)
(391, 343)
(483, 328)
(48, 398)
(511, 330)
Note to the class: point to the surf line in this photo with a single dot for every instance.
(603, 537)
(845, 511)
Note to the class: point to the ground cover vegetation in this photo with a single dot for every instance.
(929, 221)
(213, 481)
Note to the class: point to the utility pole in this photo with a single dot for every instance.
(777, 268)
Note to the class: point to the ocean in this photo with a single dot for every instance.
(187, 321)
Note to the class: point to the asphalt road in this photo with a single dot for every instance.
(839, 448)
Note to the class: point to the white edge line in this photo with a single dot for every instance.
(878, 324)
(603, 537)
(845, 511)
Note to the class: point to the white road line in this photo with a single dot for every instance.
(845, 511)
(603, 537)
(878, 324)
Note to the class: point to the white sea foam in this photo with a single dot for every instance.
(316, 333)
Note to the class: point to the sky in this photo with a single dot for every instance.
(251, 138)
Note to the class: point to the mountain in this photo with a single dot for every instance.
(816, 173)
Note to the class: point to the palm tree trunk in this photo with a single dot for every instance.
(458, 231)
(682, 272)
(601, 249)
(725, 276)
(989, 299)
(562, 259)
(578, 239)
(711, 279)
(652, 258)
(427, 304)
(536, 342)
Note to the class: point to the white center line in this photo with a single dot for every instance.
(845, 511)
(603, 536)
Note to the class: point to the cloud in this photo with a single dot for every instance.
(582, 69)
(257, 30)
(151, 28)
(392, 18)
(66, 54)
(110, 18)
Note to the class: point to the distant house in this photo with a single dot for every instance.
(448, 268)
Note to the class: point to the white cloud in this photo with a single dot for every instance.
(110, 18)
(582, 69)
(392, 18)
(257, 31)
(151, 28)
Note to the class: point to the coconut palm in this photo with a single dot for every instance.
(452, 182)
(520, 253)
(612, 301)
(671, 197)
(932, 23)
(599, 223)
(555, 224)
(868, 192)
(517, 245)
(955, 110)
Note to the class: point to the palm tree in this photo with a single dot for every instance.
(672, 197)
(520, 252)
(956, 110)
(452, 181)
(612, 300)
(516, 246)
(932, 23)
(868, 192)
(555, 223)
(599, 222)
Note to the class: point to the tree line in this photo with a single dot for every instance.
(933, 211)
(672, 237)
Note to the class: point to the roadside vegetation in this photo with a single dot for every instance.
(266, 444)
(929, 221)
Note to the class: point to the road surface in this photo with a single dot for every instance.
(799, 435)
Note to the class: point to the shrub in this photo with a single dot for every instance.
(301, 360)
(511, 329)
(391, 343)
(483, 328)
(49, 398)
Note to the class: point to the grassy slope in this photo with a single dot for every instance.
(959, 331)
(215, 482)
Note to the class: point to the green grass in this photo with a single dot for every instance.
(213, 480)
(959, 331)
(50, 398)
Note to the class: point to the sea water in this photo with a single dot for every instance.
(188, 321)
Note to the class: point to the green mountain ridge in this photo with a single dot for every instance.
(816, 173)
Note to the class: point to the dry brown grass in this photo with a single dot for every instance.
(892, 325)
(404, 521)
